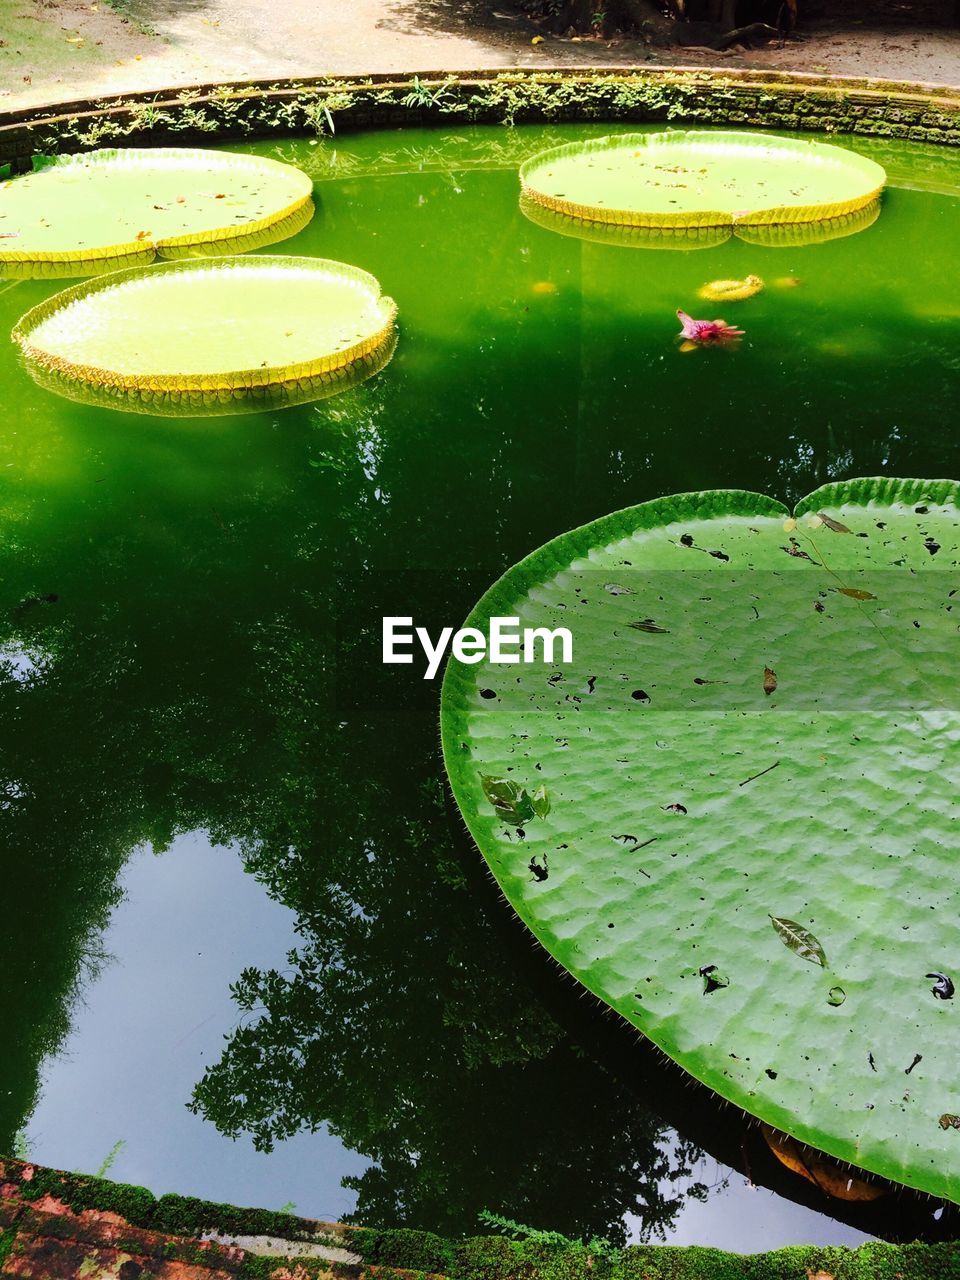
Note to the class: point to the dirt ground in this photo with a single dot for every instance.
(57, 50)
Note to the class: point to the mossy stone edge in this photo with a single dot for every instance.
(422, 1253)
(689, 96)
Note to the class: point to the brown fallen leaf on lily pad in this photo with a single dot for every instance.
(855, 593)
(769, 681)
(799, 940)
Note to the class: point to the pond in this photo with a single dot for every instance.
(244, 936)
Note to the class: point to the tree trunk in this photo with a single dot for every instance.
(575, 13)
(617, 15)
(724, 12)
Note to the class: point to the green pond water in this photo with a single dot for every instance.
(229, 876)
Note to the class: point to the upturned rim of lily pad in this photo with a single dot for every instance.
(781, 235)
(253, 380)
(858, 181)
(285, 208)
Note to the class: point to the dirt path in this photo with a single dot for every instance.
(61, 49)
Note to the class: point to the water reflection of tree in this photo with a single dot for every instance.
(191, 678)
(401, 1021)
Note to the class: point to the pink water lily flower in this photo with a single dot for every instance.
(706, 333)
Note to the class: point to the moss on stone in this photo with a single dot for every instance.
(420, 1255)
(673, 97)
(497, 1258)
(187, 1215)
(407, 1250)
(80, 1191)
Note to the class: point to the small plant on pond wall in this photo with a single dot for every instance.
(111, 1158)
(597, 1246)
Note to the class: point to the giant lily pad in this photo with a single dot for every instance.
(225, 335)
(733, 816)
(700, 179)
(84, 214)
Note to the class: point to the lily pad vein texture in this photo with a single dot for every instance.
(701, 179)
(745, 843)
(84, 214)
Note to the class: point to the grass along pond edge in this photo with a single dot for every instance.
(248, 110)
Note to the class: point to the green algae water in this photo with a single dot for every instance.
(242, 934)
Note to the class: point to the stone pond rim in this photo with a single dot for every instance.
(676, 95)
(54, 1224)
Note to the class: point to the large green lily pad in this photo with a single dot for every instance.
(733, 817)
(221, 335)
(84, 214)
(701, 179)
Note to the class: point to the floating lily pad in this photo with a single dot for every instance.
(85, 214)
(700, 179)
(225, 335)
(750, 770)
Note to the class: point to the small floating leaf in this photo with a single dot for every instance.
(616, 590)
(949, 1121)
(836, 996)
(511, 801)
(769, 681)
(648, 624)
(799, 940)
(540, 801)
